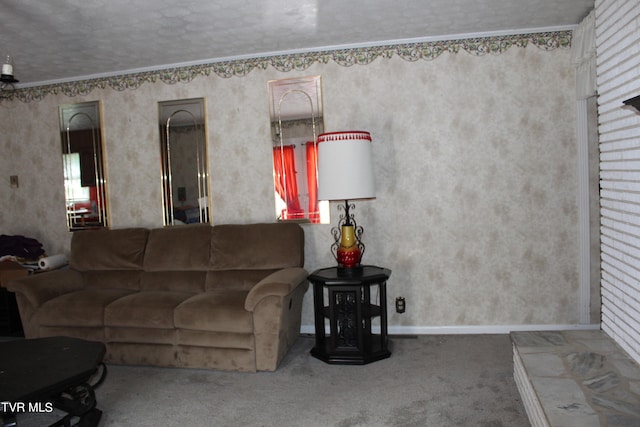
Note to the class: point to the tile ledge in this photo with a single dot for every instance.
(592, 378)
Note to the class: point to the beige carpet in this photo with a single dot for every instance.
(451, 380)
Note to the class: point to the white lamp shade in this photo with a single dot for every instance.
(345, 166)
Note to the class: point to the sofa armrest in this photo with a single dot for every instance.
(279, 283)
(40, 288)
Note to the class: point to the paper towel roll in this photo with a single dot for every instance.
(51, 262)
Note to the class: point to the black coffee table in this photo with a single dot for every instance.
(37, 375)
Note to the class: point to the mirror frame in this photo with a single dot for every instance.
(168, 111)
(287, 112)
(81, 132)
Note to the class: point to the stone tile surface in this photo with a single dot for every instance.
(543, 364)
(580, 378)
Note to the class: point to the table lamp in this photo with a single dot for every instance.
(345, 172)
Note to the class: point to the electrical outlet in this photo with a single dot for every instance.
(401, 305)
(13, 181)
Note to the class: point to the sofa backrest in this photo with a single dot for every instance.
(257, 246)
(242, 255)
(109, 258)
(177, 258)
(120, 249)
(190, 258)
(178, 248)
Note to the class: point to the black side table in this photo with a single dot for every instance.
(10, 324)
(349, 311)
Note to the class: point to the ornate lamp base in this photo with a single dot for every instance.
(348, 253)
(347, 248)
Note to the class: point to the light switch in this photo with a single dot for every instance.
(13, 180)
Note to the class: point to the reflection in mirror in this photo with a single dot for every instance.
(82, 156)
(296, 121)
(183, 148)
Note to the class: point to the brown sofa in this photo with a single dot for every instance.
(222, 297)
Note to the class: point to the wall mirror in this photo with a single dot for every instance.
(296, 121)
(85, 184)
(183, 150)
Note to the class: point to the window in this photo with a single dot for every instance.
(74, 191)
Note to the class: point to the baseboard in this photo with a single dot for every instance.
(469, 329)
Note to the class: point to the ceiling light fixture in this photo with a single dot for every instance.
(7, 81)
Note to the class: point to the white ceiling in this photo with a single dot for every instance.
(61, 40)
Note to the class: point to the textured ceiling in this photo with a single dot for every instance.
(58, 40)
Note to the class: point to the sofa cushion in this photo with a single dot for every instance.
(191, 337)
(181, 281)
(257, 246)
(219, 311)
(139, 335)
(121, 279)
(121, 249)
(184, 247)
(80, 308)
(145, 309)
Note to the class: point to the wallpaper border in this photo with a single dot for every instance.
(427, 51)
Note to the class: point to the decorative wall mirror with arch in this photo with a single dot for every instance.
(85, 184)
(296, 116)
(183, 150)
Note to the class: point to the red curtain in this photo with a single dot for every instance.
(312, 181)
(284, 168)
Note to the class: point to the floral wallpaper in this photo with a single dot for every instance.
(474, 148)
(345, 57)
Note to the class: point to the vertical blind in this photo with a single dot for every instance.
(618, 78)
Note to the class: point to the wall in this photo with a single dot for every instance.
(618, 71)
(475, 155)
